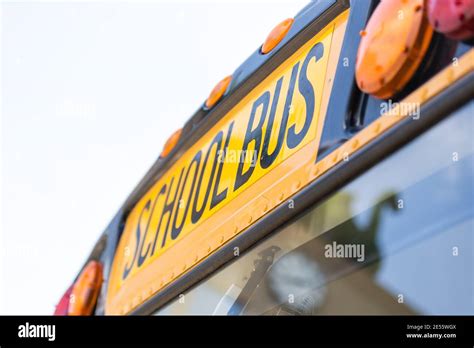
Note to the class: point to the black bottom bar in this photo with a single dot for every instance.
(291, 331)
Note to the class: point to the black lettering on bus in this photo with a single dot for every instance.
(167, 208)
(176, 230)
(267, 159)
(129, 267)
(219, 197)
(252, 135)
(141, 256)
(196, 212)
(307, 91)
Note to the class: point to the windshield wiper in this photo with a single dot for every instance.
(261, 266)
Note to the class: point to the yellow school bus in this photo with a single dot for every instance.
(331, 173)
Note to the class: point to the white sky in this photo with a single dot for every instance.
(90, 91)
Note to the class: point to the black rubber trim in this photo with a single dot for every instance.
(347, 101)
(431, 113)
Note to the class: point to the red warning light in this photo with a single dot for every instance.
(453, 18)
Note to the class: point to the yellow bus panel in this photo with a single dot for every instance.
(231, 177)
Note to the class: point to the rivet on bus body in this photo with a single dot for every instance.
(355, 144)
(377, 127)
(423, 94)
(450, 75)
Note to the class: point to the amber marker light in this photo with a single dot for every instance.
(392, 47)
(276, 35)
(86, 290)
(171, 143)
(218, 91)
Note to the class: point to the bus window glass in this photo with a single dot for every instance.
(396, 240)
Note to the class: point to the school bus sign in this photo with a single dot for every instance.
(173, 225)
